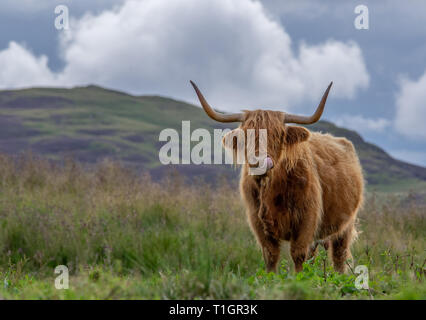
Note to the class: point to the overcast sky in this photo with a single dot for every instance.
(243, 54)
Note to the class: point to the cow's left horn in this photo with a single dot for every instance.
(291, 118)
(221, 117)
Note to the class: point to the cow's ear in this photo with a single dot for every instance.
(296, 134)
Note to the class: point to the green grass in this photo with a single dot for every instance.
(123, 236)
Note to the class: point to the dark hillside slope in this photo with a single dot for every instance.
(92, 123)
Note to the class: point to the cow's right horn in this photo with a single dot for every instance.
(221, 117)
(292, 118)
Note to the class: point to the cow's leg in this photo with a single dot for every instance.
(301, 240)
(340, 248)
(313, 250)
(271, 254)
(326, 244)
(299, 252)
(270, 246)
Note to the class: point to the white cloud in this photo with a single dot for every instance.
(234, 50)
(411, 107)
(361, 123)
(20, 68)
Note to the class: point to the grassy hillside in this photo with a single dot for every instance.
(123, 236)
(91, 123)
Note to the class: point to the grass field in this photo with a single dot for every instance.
(123, 236)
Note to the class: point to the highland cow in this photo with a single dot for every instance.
(311, 192)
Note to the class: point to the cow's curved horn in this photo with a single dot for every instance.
(292, 118)
(221, 117)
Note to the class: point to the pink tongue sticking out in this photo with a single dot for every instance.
(269, 163)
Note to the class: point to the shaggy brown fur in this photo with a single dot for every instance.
(311, 195)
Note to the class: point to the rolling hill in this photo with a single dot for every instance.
(91, 123)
